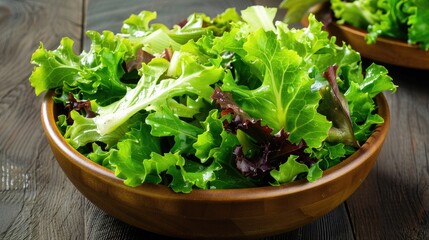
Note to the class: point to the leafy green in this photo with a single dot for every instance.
(55, 67)
(157, 37)
(188, 77)
(164, 123)
(288, 93)
(288, 171)
(94, 75)
(233, 101)
(132, 151)
(418, 33)
(297, 9)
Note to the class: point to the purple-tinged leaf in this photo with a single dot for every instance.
(259, 151)
(335, 107)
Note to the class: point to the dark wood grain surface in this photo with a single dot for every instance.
(37, 201)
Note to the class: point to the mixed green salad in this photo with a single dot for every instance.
(233, 101)
(406, 20)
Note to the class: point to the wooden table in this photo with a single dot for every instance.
(37, 201)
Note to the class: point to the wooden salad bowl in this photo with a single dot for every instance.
(216, 214)
(385, 50)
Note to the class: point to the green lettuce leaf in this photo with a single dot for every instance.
(211, 139)
(418, 32)
(100, 156)
(190, 173)
(259, 17)
(357, 13)
(84, 131)
(284, 100)
(154, 38)
(360, 99)
(94, 75)
(188, 77)
(297, 9)
(54, 67)
(291, 169)
(128, 161)
(330, 154)
(164, 123)
(136, 171)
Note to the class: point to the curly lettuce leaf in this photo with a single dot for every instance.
(165, 123)
(128, 160)
(259, 17)
(357, 13)
(136, 171)
(190, 174)
(289, 170)
(100, 156)
(94, 75)
(154, 38)
(297, 9)
(54, 67)
(330, 154)
(360, 99)
(185, 174)
(284, 100)
(418, 33)
(320, 52)
(392, 22)
(84, 131)
(139, 158)
(199, 24)
(187, 77)
(207, 143)
(217, 145)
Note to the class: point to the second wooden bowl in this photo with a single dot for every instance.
(385, 50)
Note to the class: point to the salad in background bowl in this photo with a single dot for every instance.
(215, 125)
(393, 32)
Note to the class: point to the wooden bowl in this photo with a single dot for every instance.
(215, 214)
(385, 50)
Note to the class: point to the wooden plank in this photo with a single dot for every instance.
(38, 202)
(393, 203)
(36, 199)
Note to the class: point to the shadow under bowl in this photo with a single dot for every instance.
(216, 214)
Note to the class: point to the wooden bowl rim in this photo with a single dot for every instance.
(375, 141)
(391, 41)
